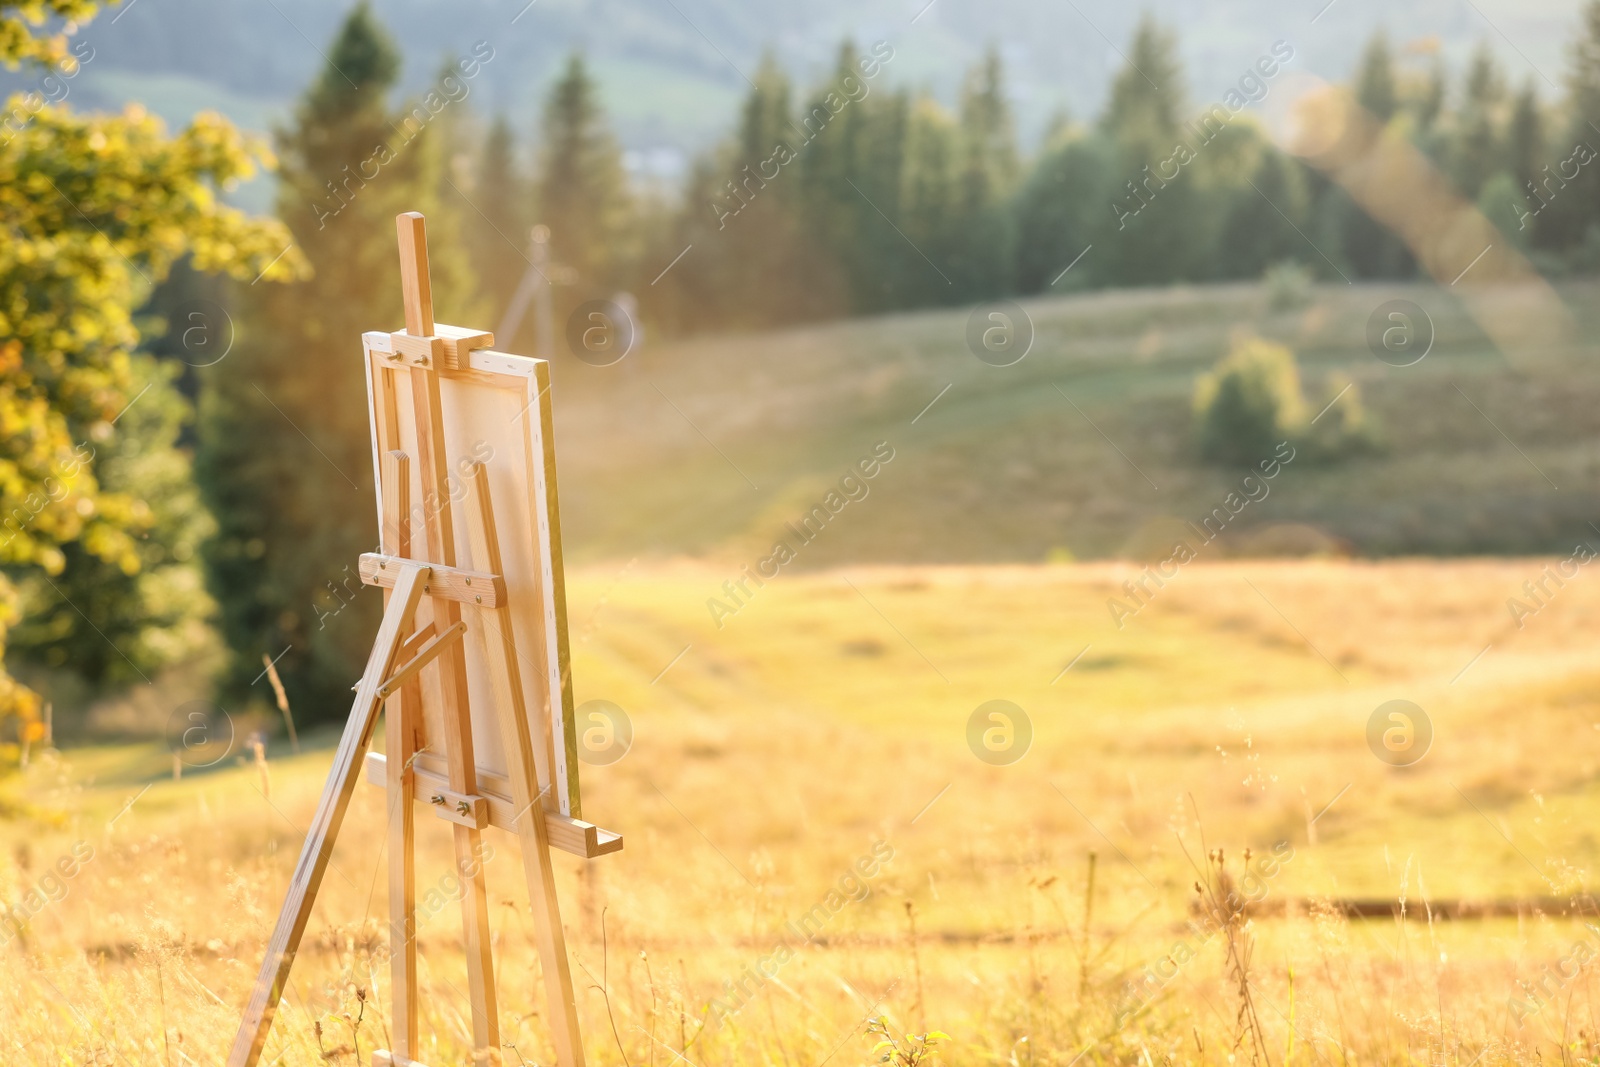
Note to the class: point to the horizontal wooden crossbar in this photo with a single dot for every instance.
(452, 583)
(569, 835)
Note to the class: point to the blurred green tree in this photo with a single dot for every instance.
(1510, 194)
(1429, 102)
(989, 175)
(122, 620)
(931, 200)
(754, 261)
(1375, 81)
(762, 251)
(285, 459)
(1570, 224)
(1156, 217)
(850, 206)
(1525, 146)
(496, 233)
(1061, 212)
(96, 210)
(1370, 249)
(1478, 141)
(1258, 234)
(582, 193)
(1147, 94)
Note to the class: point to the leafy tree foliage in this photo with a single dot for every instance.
(122, 620)
(96, 210)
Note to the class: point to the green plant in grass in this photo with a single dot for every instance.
(914, 1050)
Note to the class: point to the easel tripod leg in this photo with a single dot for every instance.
(318, 848)
(495, 631)
(480, 959)
(402, 719)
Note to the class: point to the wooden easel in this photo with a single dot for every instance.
(419, 657)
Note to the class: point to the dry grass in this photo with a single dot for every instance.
(1229, 714)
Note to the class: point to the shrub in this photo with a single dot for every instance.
(1344, 428)
(1288, 285)
(1249, 402)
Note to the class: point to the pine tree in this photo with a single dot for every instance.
(1478, 144)
(755, 260)
(1525, 137)
(887, 269)
(1375, 81)
(931, 199)
(765, 119)
(1061, 211)
(1584, 78)
(1147, 94)
(1365, 246)
(1153, 219)
(1430, 103)
(436, 175)
(497, 232)
(582, 193)
(841, 204)
(1425, 100)
(285, 455)
(988, 134)
(1255, 236)
(1572, 219)
(988, 179)
(759, 247)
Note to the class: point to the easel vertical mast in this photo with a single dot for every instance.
(437, 522)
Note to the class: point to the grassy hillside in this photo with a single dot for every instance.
(1045, 457)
